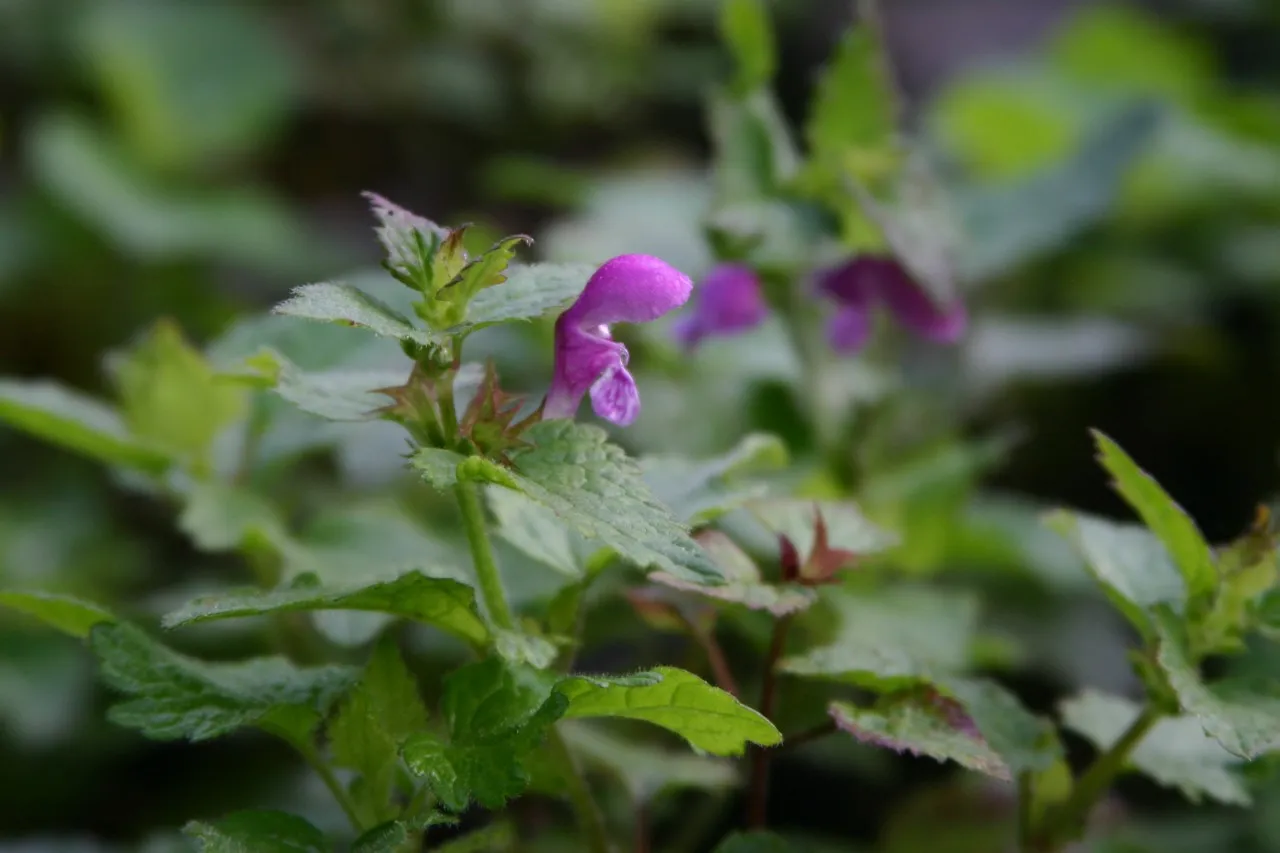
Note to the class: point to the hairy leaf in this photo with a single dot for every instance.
(344, 304)
(257, 832)
(68, 615)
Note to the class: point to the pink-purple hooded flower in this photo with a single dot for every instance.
(728, 302)
(861, 284)
(626, 289)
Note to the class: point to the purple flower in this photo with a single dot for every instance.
(626, 289)
(728, 302)
(859, 285)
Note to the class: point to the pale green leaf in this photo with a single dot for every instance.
(439, 467)
(746, 29)
(336, 395)
(538, 532)
(75, 421)
(221, 517)
(171, 397)
(1175, 752)
(707, 717)
(1168, 521)
(344, 304)
(743, 583)
(447, 604)
(646, 771)
(853, 107)
(596, 489)
(257, 832)
(1241, 714)
(893, 638)
(530, 291)
(171, 695)
(699, 490)
(1127, 561)
(522, 648)
(66, 614)
(754, 156)
(847, 528)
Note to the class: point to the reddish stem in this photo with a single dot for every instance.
(757, 804)
(640, 841)
(719, 664)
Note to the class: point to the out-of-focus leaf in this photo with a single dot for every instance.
(538, 532)
(66, 614)
(699, 491)
(644, 770)
(257, 831)
(335, 302)
(1175, 752)
(173, 696)
(743, 583)
(847, 528)
(78, 422)
(746, 29)
(221, 517)
(707, 717)
(335, 395)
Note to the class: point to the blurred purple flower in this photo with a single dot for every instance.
(626, 289)
(729, 302)
(868, 280)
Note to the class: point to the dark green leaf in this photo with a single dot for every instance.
(707, 717)
(174, 696)
(257, 832)
(444, 603)
(77, 422)
(68, 615)
(755, 842)
(1168, 521)
(1176, 752)
(596, 489)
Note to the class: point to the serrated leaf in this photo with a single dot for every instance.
(1241, 714)
(1175, 752)
(746, 29)
(221, 517)
(488, 270)
(404, 234)
(698, 491)
(644, 770)
(1010, 224)
(743, 583)
(171, 398)
(894, 638)
(707, 717)
(1127, 561)
(341, 303)
(596, 489)
(539, 532)
(910, 723)
(257, 832)
(497, 713)
(78, 422)
(1168, 521)
(175, 696)
(530, 291)
(63, 612)
(447, 604)
(755, 842)
(380, 712)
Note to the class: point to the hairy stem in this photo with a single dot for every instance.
(758, 801)
(495, 598)
(1095, 781)
(586, 811)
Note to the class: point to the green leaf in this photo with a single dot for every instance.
(494, 838)
(644, 770)
(1175, 752)
(597, 490)
(1241, 714)
(1011, 223)
(77, 422)
(379, 713)
(1127, 561)
(442, 602)
(389, 837)
(344, 304)
(699, 491)
(853, 113)
(743, 583)
(223, 517)
(538, 532)
(746, 29)
(530, 291)
(66, 614)
(911, 723)
(1025, 742)
(754, 157)
(335, 395)
(894, 638)
(497, 714)
(170, 396)
(174, 696)
(522, 648)
(257, 832)
(1171, 525)
(847, 528)
(488, 270)
(707, 717)
(755, 842)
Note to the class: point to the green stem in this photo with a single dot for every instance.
(495, 599)
(1095, 781)
(325, 772)
(590, 821)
